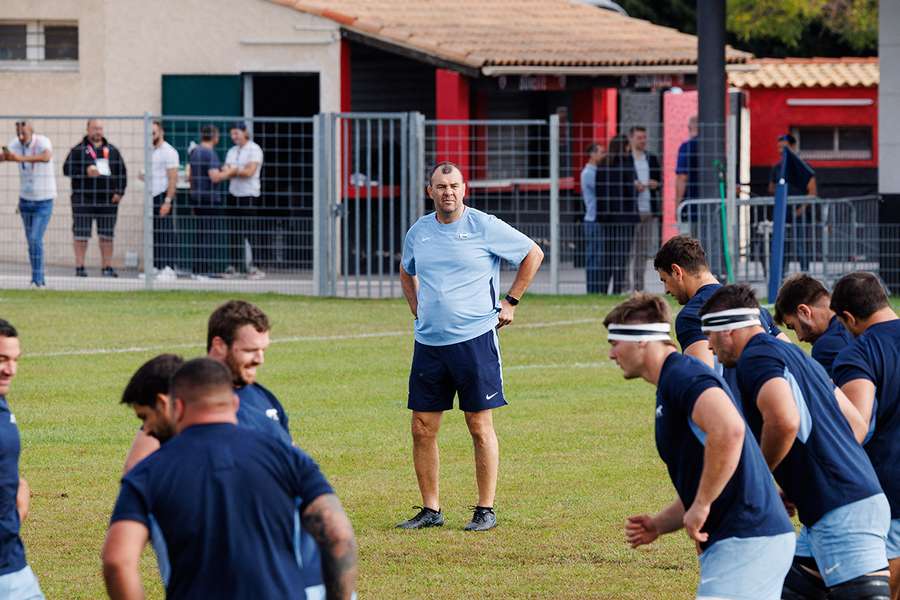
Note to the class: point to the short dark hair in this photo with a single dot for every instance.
(796, 290)
(198, 378)
(787, 138)
(736, 295)
(150, 379)
(231, 316)
(860, 294)
(634, 128)
(7, 329)
(639, 308)
(208, 132)
(160, 125)
(591, 149)
(242, 125)
(446, 167)
(681, 250)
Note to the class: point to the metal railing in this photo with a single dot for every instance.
(337, 192)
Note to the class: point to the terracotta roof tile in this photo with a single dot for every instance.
(808, 72)
(480, 33)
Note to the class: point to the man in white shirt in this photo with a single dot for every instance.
(37, 189)
(647, 175)
(243, 165)
(163, 178)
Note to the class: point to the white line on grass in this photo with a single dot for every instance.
(284, 340)
(589, 365)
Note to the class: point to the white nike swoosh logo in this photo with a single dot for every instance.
(707, 580)
(491, 396)
(425, 239)
(831, 570)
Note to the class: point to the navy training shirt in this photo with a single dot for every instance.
(688, 330)
(749, 505)
(12, 551)
(825, 468)
(204, 192)
(830, 344)
(875, 356)
(687, 322)
(259, 408)
(225, 504)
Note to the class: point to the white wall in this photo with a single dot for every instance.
(889, 95)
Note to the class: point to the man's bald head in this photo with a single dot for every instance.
(445, 168)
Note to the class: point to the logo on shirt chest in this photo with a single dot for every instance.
(659, 412)
(272, 413)
(12, 418)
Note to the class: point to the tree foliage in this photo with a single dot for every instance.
(779, 27)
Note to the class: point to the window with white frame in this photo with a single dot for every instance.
(834, 142)
(38, 44)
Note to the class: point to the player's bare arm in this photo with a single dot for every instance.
(121, 556)
(781, 420)
(715, 414)
(327, 522)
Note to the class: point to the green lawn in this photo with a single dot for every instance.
(577, 450)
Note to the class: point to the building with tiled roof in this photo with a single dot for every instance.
(830, 105)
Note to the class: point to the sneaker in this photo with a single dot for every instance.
(426, 517)
(80, 272)
(166, 274)
(109, 272)
(37, 286)
(483, 519)
(254, 273)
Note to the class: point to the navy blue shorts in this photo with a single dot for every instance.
(471, 369)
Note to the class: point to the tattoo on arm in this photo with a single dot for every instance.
(327, 522)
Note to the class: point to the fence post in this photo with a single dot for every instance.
(417, 166)
(321, 210)
(731, 160)
(149, 275)
(554, 203)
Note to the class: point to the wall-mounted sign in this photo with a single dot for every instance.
(532, 83)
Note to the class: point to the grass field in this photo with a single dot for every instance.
(577, 450)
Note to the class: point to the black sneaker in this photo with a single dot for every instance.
(109, 272)
(426, 517)
(80, 272)
(483, 519)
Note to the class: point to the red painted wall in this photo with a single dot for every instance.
(594, 120)
(770, 117)
(452, 102)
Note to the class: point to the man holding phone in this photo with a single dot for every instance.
(37, 189)
(99, 178)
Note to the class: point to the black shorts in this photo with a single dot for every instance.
(471, 369)
(84, 215)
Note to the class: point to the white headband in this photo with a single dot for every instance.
(639, 332)
(728, 320)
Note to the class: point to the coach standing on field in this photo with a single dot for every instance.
(450, 273)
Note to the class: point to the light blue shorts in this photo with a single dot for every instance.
(746, 568)
(21, 585)
(893, 540)
(849, 541)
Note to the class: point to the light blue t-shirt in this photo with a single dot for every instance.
(458, 266)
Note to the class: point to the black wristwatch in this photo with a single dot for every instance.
(512, 301)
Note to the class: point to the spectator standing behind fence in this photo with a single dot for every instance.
(99, 178)
(243, 164)
(798, 243)
(163, 179)
(37, 189)
(687, 170)
(592, 249)
(615, 213)
(206, 198)
(646, 174)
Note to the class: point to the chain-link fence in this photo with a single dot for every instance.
(320, 205)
